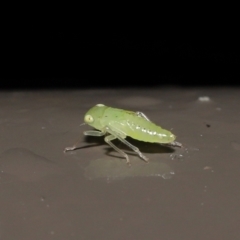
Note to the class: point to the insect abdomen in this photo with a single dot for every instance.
(147, 131)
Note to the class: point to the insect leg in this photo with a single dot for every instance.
(86, 133)
(142, 115)
(174, 144)
(94, 133)
(71, 148)
(121, 138)
(108, 140)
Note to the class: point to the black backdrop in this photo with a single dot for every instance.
(76, 56)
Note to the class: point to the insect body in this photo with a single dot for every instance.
(118, 123)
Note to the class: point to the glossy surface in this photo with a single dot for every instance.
(46, 194)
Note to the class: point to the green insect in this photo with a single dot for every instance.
(118, 123)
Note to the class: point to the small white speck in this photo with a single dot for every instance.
(204, 99)
(161, 135)
(100, 105)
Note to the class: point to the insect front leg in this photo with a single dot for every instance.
(122, 139)
(142, 115)
(94, 133)
(86, 133)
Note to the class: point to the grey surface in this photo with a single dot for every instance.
(90, 193)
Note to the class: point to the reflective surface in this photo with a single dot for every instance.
(91, 193)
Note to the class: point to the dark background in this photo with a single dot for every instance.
(47, 194)
(74, 55)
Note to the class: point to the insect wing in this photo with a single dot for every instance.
(119, 127)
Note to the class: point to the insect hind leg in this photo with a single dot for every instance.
(142, 115)
(173, 144)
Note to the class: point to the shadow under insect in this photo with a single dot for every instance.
(145, 147)
(111, 168)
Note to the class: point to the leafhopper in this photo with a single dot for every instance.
(118, 123)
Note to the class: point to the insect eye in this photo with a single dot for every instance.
(88, 119)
